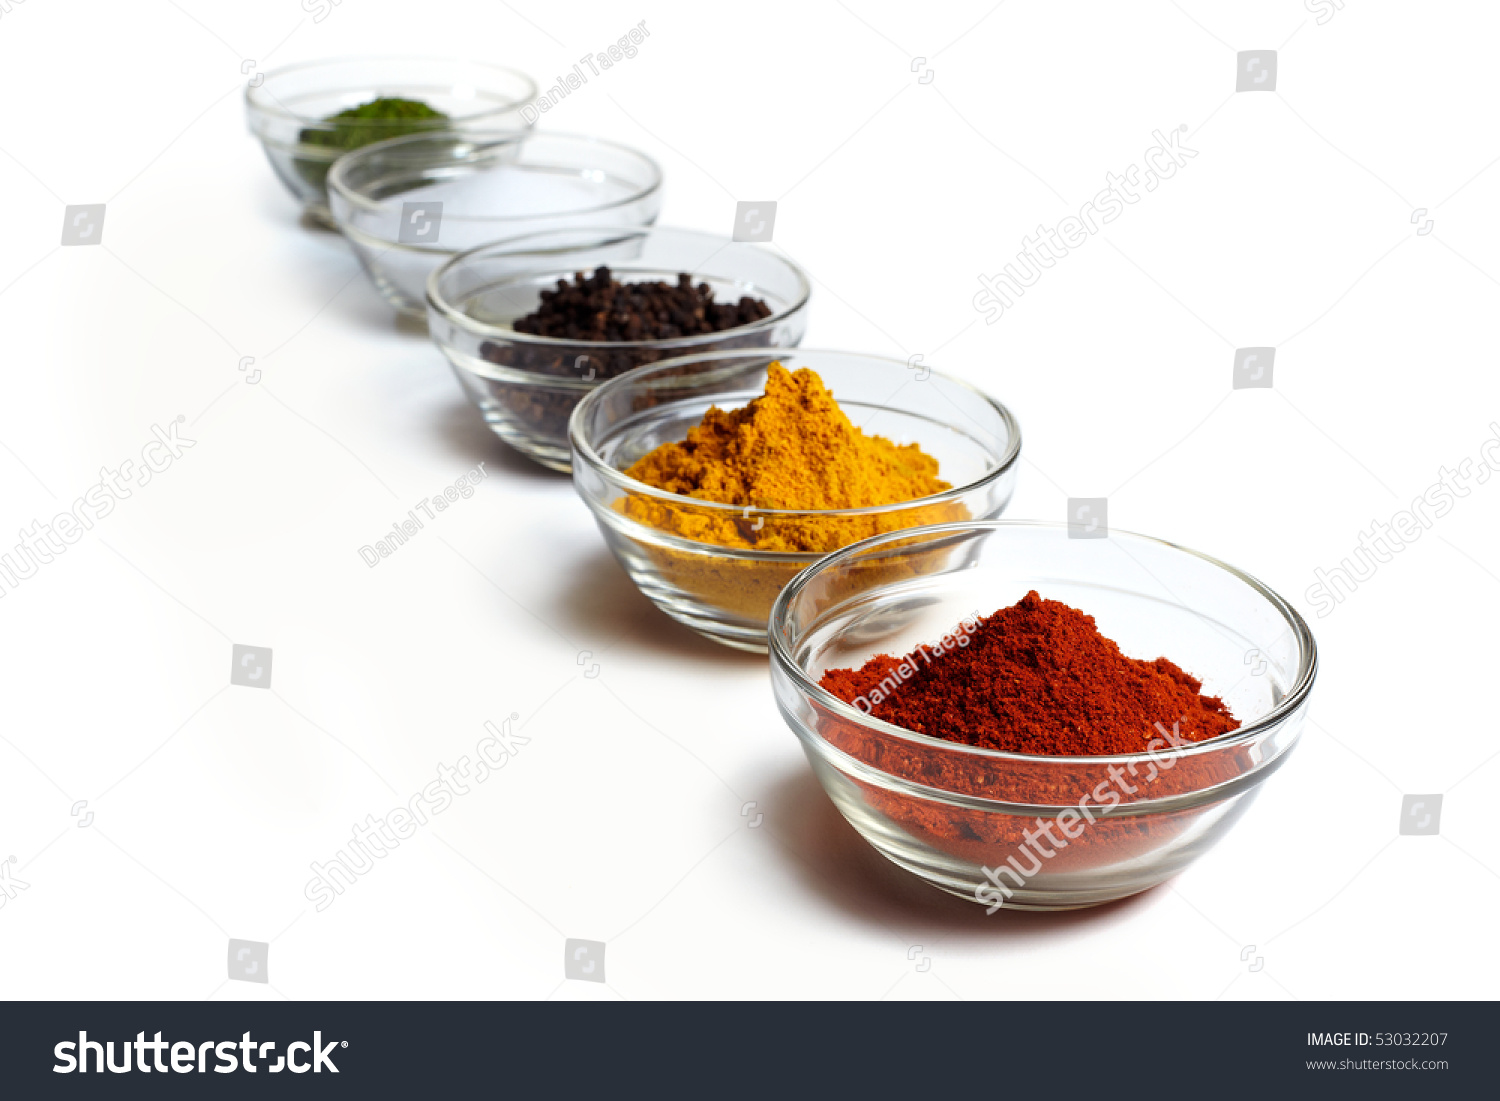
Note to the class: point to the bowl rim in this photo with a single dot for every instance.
(493, 139)
(256, 96)
(1295, 697)
(438, 303)
(583, 448)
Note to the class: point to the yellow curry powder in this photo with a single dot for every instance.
(792, 448)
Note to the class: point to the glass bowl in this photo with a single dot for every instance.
(959, 816)
(288, 110)
(673, 547)
(527, 386)
(474, 189)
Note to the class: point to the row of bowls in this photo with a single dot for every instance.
(523, 209)
(509, 211)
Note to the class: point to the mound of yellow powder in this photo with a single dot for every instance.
(792, 448)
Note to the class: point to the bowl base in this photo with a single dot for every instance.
(548, 455)
(736, 638)
(1031, 905)
(963, 874)
(738, 632)
(1030, 899)
(316, 215)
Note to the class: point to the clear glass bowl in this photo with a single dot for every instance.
(527, 386)
(672, 546)
(287, 110)
(948, 812)
(487, 187)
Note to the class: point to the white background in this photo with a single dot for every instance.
(621, 820)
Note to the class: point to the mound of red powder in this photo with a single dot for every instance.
(1035, 678)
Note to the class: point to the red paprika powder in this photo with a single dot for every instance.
(1040, 680)
(1035, 678)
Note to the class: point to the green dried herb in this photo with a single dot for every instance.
(381, 118)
